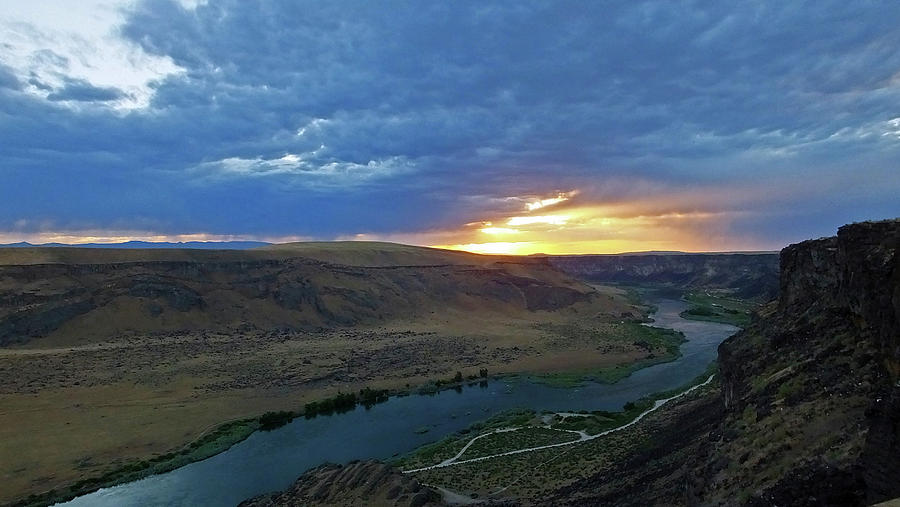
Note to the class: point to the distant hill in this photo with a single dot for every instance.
(89, 293)
(665, 252)
(201, 245)
(376, 253)
(347, 253)
(750, 275)
(79, 292)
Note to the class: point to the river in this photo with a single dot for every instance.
(270, 461)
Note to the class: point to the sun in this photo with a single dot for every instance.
(493, 248)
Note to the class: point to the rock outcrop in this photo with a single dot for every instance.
(357, 483)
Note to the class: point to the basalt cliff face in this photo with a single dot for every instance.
(827, 359)
(745, 275)
(808, 410)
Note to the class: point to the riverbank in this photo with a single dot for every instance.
(85, 411)
(226, 435)
(534, 476)
(520, 431)
(218, 440)
(588, 426)
(711, 307)
(221, 438)
(556, 343)
(665, 342)
(399, 426)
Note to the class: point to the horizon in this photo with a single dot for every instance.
(175, 245)
(491, 128)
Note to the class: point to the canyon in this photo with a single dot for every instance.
(804, 410)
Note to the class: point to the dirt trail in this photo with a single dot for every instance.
(584, 436)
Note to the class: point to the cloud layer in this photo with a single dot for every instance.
(689, 125)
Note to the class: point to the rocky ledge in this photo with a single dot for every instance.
(356, 483)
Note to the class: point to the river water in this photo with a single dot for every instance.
(270, 461)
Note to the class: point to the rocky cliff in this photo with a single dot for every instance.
(745, 275)
(357, 483)
(808, 409)
(810, 391)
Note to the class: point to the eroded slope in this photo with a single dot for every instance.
(81, 302)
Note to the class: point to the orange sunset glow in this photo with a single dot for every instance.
(562, 225)
(557, 223)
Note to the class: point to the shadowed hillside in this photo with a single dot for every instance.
(77, 295)
(351, 253)
(375, 253)
(745, 275)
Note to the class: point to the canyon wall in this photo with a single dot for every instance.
(822, 367)
(807, 410)
(745, 275)
(235, 291)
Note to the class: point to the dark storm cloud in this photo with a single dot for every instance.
(326, 118)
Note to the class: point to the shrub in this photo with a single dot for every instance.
(369, 397)
(271, 420)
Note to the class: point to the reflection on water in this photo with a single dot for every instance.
(271, 461)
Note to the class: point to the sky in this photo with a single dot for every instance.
(499, 127)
